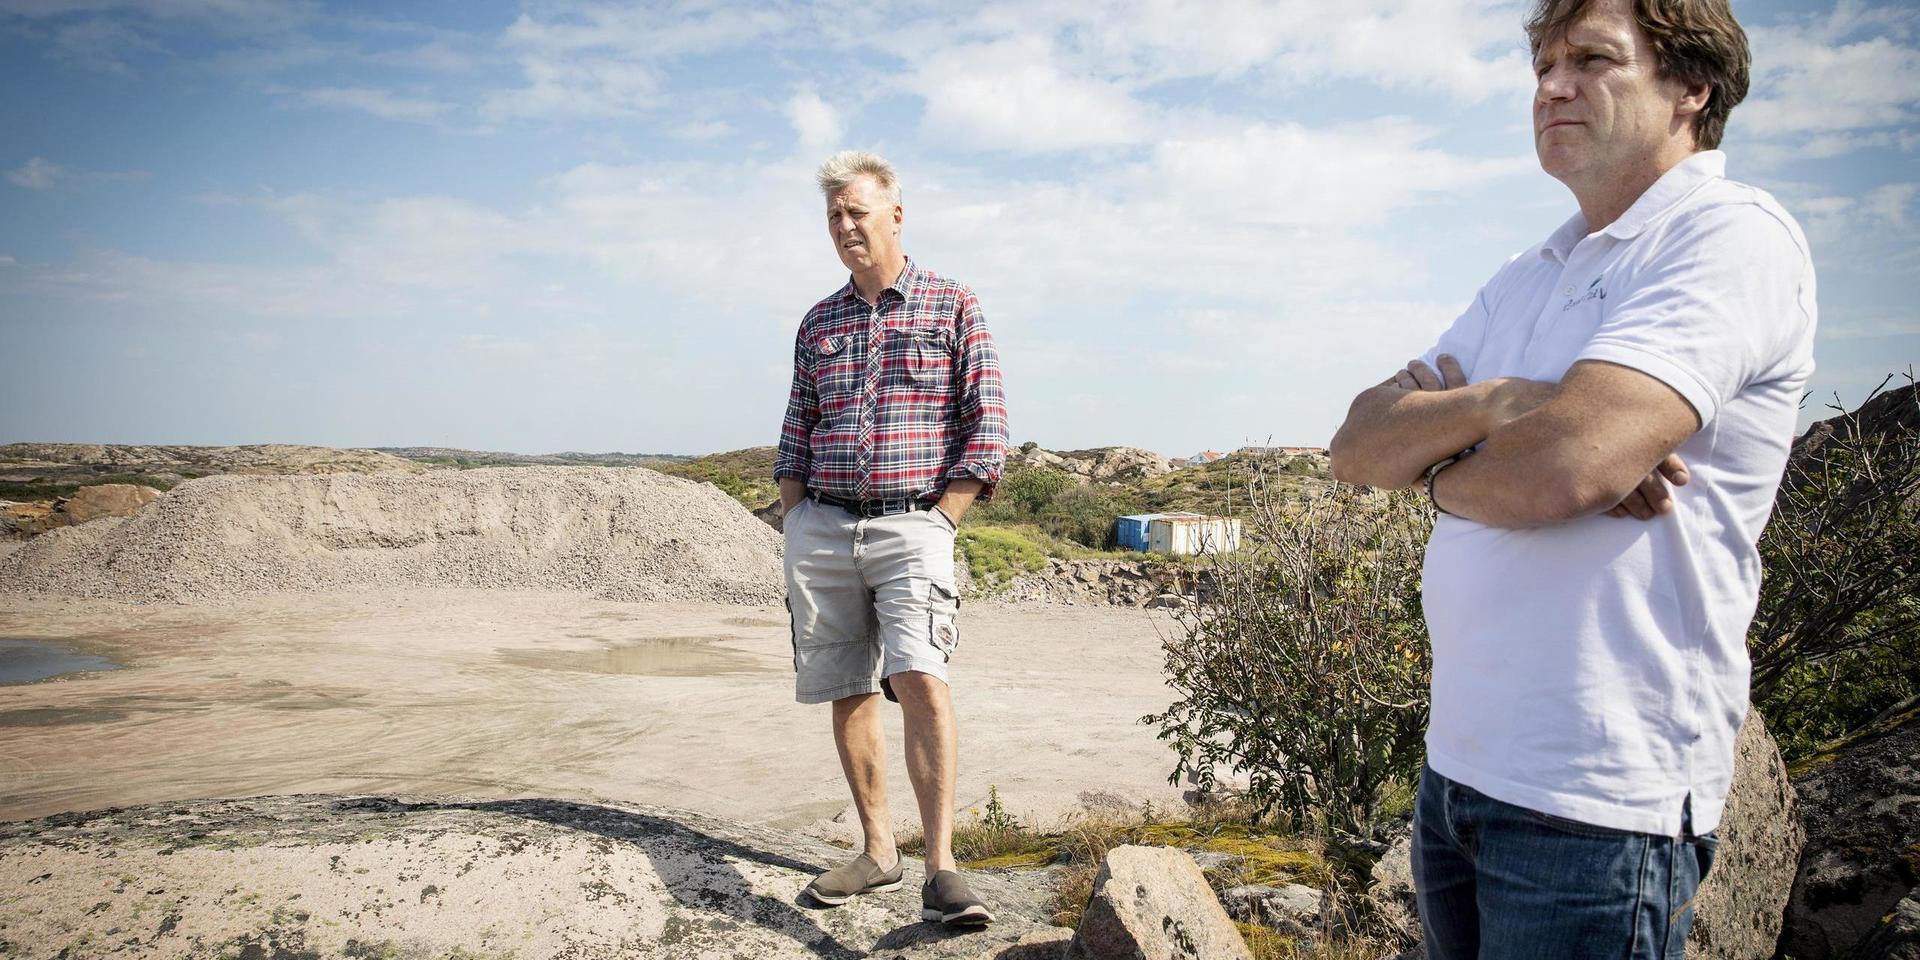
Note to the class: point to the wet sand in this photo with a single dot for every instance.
(496, 695)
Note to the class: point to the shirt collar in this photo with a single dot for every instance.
(900, 284)
(1671, 188)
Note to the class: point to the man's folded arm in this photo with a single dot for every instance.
(1580, 452)
(1393, 434)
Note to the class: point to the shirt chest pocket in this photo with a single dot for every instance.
(839, 368)
(920, 359)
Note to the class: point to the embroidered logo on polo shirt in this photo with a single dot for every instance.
(1594, 292)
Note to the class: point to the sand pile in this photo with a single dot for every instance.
(617, 534)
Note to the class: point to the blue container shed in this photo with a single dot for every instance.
(1130, 532)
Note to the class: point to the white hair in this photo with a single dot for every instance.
(841, 169)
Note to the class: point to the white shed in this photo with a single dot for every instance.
(1191, 533)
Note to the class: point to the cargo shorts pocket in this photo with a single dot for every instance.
(943, 610)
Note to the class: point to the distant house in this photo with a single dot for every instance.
(1177, 534)
(1203, 458)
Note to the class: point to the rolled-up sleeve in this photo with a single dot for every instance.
(794, 457)
(980, 427)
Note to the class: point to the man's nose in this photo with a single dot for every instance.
(1555, 84)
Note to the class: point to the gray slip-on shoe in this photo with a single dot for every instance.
(863, 875)
(947, 899)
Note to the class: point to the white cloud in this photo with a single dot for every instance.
(1861, 328)
(38, 174)
(1012, 96)
(1469, 50)
(594, 60)
(1342, 177)
(380, 103)
(700, 130)
(1818, 81)
(1888, 204)
(41, 174)
(816, 122)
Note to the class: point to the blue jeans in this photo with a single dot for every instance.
(1495, 880)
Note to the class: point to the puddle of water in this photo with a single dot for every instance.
(57, 716)
(657, 657)
(753, 622)
(25, 661)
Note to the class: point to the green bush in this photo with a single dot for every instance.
(1307, 669)
(996, 555)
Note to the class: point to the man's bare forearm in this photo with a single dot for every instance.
(1392, 435)
(958, 498)
(792, 491)
(1580, 453)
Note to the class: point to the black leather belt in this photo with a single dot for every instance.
(871, 508)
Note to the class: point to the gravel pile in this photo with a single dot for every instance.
(617, 534)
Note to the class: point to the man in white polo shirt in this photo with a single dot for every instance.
(1603, 431)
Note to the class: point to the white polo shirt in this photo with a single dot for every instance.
(1597, 670)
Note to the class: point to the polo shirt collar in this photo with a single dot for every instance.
(1672, 187)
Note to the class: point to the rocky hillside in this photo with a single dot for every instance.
(455, 457)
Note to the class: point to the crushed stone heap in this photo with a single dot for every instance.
(614, 533)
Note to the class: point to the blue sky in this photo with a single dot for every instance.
(561, 225)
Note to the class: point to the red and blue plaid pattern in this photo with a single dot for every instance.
(893, 400)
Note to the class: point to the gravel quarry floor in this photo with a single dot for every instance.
(490, 694)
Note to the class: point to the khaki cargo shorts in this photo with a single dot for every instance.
(869, 597)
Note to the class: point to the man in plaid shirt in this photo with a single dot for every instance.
(895, 425)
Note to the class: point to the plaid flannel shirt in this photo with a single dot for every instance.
(902, 419)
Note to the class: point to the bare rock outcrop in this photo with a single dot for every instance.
(1741, 902)
(104, 500)
(1860, 801)
(304, 876)
(1126, 583)
(1898, 935)
(1101, 465)
(1152, 903)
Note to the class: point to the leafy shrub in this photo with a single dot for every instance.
(1307, 669)
(996, 555)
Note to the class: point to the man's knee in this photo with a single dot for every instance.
(916, 688)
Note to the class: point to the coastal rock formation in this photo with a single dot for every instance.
(1860, 801)
(1898, 936)
(1740, 904)
(304, 876)
(1127, 583)
(1152, 903)
(1102, 465)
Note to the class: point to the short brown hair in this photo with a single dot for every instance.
(1694, 41)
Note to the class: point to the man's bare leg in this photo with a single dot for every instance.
(858, 735)
(926, 706)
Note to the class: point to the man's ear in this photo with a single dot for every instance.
(1694, 100)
